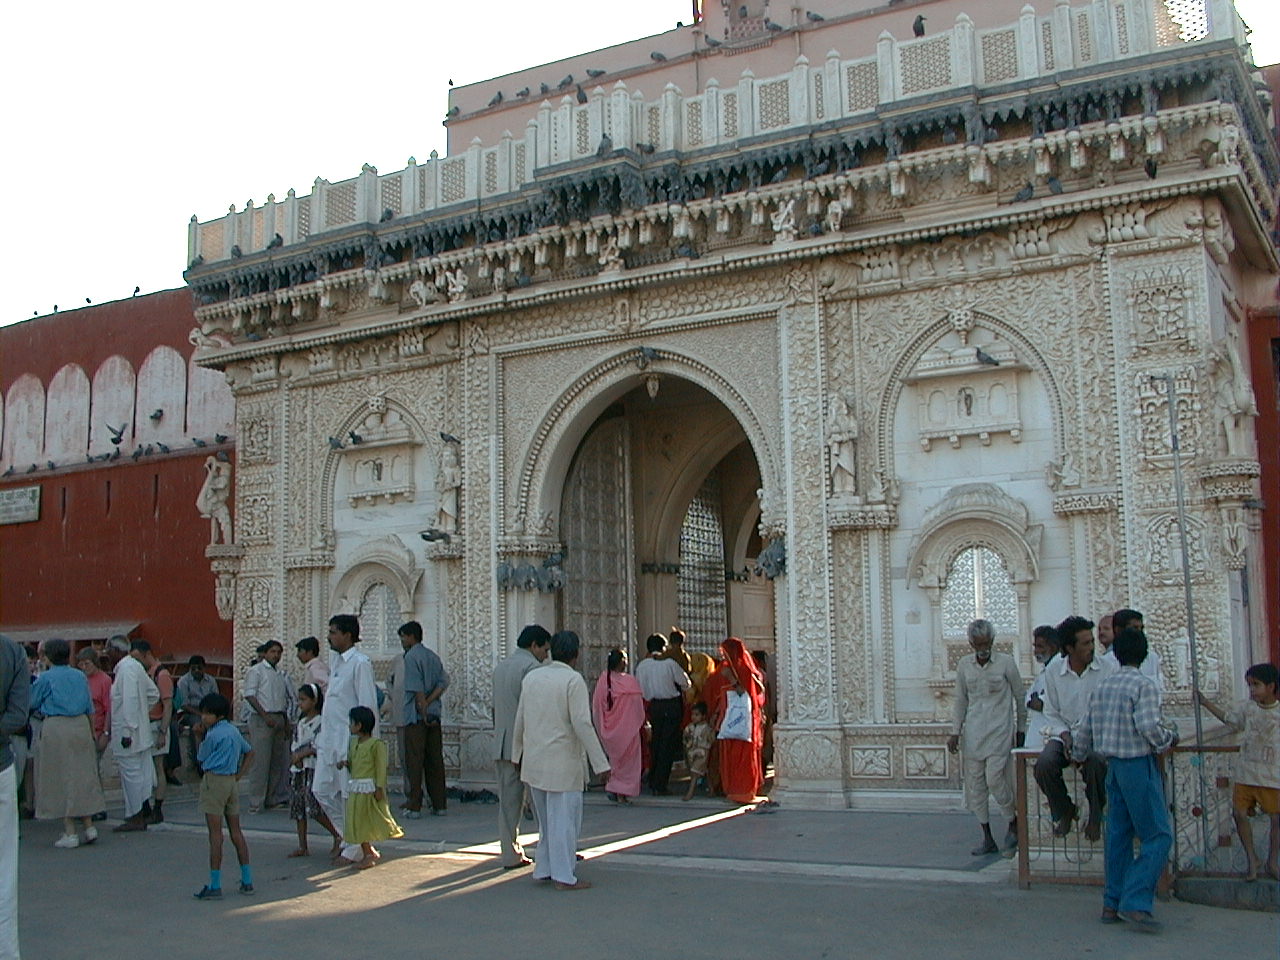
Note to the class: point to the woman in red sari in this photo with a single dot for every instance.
(740, 759)
(617, 706)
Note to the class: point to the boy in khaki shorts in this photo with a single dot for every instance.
(1257, 772)
(224, 756)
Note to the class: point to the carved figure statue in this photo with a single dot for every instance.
(224, 596)
(784, 221)
(212, 500)
(456, 284)
(448, 484)
(835, 213)
(610, 256)
(875, 487)
(772, 561)
(1062, 474)
(1233, 394)
(422, 292)
(842, 447)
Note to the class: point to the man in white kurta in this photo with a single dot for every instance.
(553, 743)
(133, 694)
(990, 715)
(350, 685)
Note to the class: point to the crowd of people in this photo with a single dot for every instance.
(317, 748)
(1099, 711)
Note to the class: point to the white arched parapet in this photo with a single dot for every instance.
(211, 409)
(24, 423)
(162, 390)
(112, 406)
(66, 429)
(975, 515)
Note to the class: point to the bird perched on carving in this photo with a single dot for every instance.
(163, 448)
(813, 17)
(657, 56)
(582, 94)
(645, 147)
(32, 469)
(137, 454)
(1055, 185)
(606, 146)
(985, 358)
(917, 26)
(949, 136)
(687, 250)
(149, 450)
(221, 457)
(647, 356)
(521, 94)
(356, 439)
(336, 444)
(87, 300)
(1151, 167)
(51, 465)
(387, 214)
(1025, 194)
(8, 473)
(432, 535)
(197, 442)
(495, 99)
(115, 454)
(773, 27)
(781, 175)
(220, 438)
(596, 73)
(449, 438)
(156, 415)
(236, 251)
(117, 433)
(544, 88)
(712, 42)
(136, 291)
(276, 241)
(567, 81)
(453, 111)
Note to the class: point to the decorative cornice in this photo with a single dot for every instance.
(1069, 504)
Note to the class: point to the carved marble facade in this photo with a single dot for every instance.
(938, 369)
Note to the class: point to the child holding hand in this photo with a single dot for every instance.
(368, 817)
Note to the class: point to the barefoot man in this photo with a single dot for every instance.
(990, 715)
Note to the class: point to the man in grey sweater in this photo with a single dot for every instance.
(15, 695)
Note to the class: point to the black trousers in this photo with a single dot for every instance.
(424, 760)
(664, 718)
(1048, 771)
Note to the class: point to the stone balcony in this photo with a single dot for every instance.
(961, 62)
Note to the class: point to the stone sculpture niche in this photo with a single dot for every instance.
(967, 391)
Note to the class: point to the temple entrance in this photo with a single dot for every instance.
(658, 517)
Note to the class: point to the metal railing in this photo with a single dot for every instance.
(1044, 858)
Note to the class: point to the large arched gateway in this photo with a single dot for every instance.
(896, 322)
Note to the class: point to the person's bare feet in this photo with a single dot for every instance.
(370, 861)
(1251, 873)
(578, 885)
(300, 852)
(1093, 831)
(1272, 871)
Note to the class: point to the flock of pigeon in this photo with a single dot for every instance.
(571, 82)
(117, 438)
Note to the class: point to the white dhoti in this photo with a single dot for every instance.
(989, 777)
(330, 788)
(9, 864)
(137, 780)
(559, 823)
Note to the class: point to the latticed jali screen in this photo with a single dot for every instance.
(1181, 21)
(700, 588)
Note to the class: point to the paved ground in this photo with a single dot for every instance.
(670, 878)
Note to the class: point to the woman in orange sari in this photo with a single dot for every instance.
(617, 707)
(740, 758)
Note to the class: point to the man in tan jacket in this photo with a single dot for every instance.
(553, 742)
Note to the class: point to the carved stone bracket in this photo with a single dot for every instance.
(224, 561)
(1098, 501)
(532, 571)
(452, 549)
(871, 516)
(1230, 479)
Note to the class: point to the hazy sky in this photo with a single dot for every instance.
(127, 118)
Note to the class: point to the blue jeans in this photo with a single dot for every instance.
(1136, 808)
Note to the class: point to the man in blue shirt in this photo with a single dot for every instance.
(224, 756)
(425, 681)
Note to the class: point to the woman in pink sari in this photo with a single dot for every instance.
(617, 707)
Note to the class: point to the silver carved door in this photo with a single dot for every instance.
(598, 599)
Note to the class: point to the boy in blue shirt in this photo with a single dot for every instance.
(224, 756)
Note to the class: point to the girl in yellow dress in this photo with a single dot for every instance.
(368, 816)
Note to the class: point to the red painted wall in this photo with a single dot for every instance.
(1264, 330)
(131, 328)
(120, 541)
